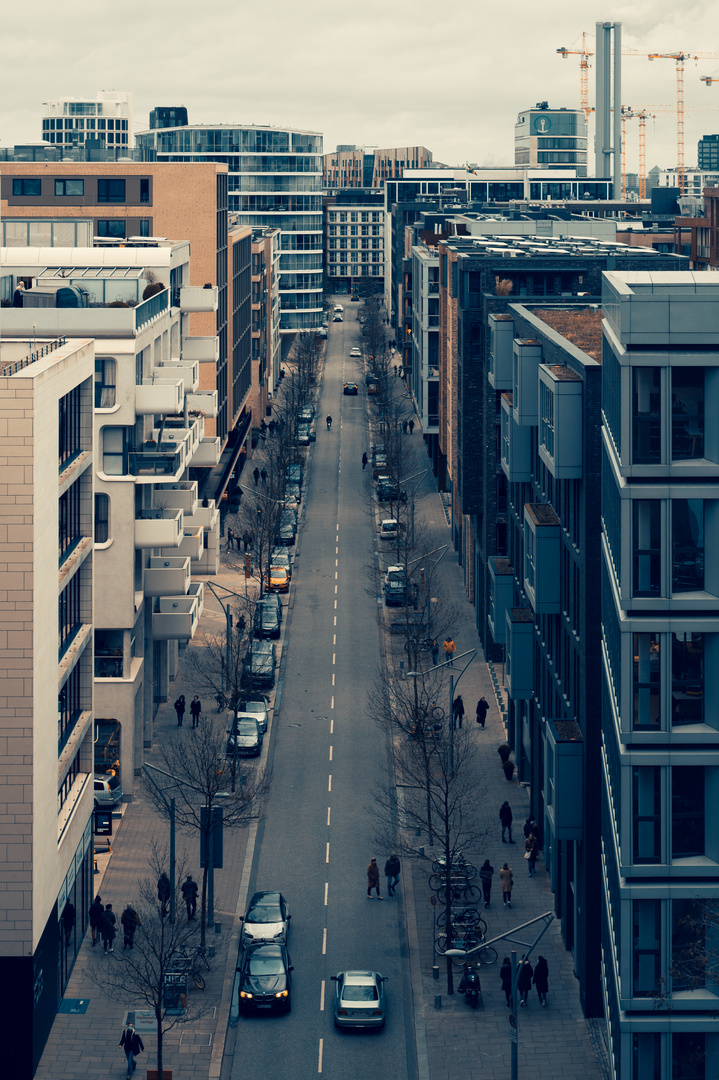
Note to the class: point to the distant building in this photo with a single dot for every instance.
(695, 180)
(106, 122)
(168, 117)
(365, 167)
(708, 153)
(354, 240)
(547, 138)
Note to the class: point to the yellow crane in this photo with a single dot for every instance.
(679, 58)
(584, 66)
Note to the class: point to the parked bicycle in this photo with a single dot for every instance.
(189, 962)
(461, 891)
(464, 917)
(459, 865)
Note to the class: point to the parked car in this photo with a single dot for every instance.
(398, 591)
(355, 352)
(293, 490)
(260, 663)
(244, 739)
(267, 919)
(303, 435)
(337, 318)
(350, 388)
(359, 999)
(287, 531)
(265, 980)
(257, 707)
(108, 792)
(280, 557)
(268, 619)
(372, 387)
(277, 580)
(388, 490)
(380, 466)
(389, 529)
(293, 473)
(307, 414)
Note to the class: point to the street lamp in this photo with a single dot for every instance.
(471, 653)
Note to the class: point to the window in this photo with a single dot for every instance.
(110, 191)
(646, 685)
(102, 518)
(690, 926)
(68, 707)
(646, 435)
(646, 1056)
(646, 951)
(68, 614)
(69, 530)
(114, 451)
(104, 382)
(687, 413)
(69, 424)
(687, 545)
(67, 784)
(646, 818)
(687, 679)
(69, 188)
(546, 418)
(687, 811)
(647, 547)
(144, 227)
(688, 1055)
(144, 190)
(27, 188)
(112, 227)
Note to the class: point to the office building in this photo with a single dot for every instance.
(102, 123)
(708, 153)
(547, 138)
(660, 617)
(367, 167)
(354, 241)
(275, 181)
(168, 117)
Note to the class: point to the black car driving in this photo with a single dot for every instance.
(265, 979)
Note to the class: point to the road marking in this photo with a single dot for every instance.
(332, 723)
(333, 678)
(319, 1063)
(334, 656)
(335, 607)
(327, 885)
(334, 639)
(335, 575)
(329, 811)
(331, 749)
(335, 591)
(322, 992)
(337, 551)
(329, 784)
(332, 702)
(335, 617)
(327, 852)
(337, 562)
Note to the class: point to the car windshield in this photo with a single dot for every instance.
(255, 707)
(360, 993)
(265, 965)
(265, 913)
(263, 648)
(246, 727)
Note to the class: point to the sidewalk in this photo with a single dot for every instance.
(453, 1040)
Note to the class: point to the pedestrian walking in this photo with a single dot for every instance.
(411, 426)
(95, 912)
(435, 651)
(108, 929)
(364, 462)
(256, 475)
(531, 827)
(506, 817)
(507, 880)
(450, 650)
(505, 974)
(189, 895)
(69, 918)
(486, 873)
(373, 879)
(524, 981)
(130, 921)
(391, 870)
(246, 540)
(195, 710)
(404, 427)
(180, 709)
(531, 851)
(482, 710)
(263, 474)
(230, 538)
(457, 711)
(541, 980)
(133, 1045)
(163, 892)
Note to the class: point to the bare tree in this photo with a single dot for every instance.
(159, 950)
(198, 775)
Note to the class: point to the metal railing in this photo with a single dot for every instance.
(50, 346)
(152, 307)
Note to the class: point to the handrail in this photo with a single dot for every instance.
(12, 369)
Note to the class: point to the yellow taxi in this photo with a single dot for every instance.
(278, 579)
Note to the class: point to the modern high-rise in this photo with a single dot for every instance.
(275, 181)
(102, 123)
(354, 243)
(708, 153)
(660, 662)
(547, 138)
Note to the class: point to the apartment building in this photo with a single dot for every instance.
(354, 241)
(366, 167)
(660, 617)
(104, 122)
(423, 371)
(47, 575)
(266, 342)
(275, 181)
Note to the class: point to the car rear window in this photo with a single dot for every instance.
(360, 993)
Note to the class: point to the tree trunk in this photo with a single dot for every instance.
(203, 912)
(158, 1018)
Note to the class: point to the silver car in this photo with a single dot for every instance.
(359, 999)
(267, 919)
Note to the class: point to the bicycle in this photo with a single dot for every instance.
(460, 891)
(459, 865)
(468, 917)
(188, 962)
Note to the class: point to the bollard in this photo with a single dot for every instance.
(438, 1001)
(435, 971)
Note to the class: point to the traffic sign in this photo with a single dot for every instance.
(512, 1020)
(433, 900)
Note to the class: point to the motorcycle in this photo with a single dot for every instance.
(469, 986)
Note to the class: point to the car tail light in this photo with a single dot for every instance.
(341, 1012)
(376, 1012)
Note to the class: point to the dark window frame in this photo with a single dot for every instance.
(111, 190)
(27, 187)
(61, 187)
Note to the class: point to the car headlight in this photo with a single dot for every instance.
(282, 993)
(245, 994)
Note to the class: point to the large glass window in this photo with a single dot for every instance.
(27, 188)
(68, 609)
(647, 547)
(102, 518)
(69, 440)
(687, 811)
(114, 451)
(115, 228)
(687, 545)
(646, 682)
(69, 521)
(646, 1056)
(110, 191)
(68, 188)
(646, 814)
(646, 947)
(687, 678)
(688, 1055)
(68, 707)
(687, 413)
(104, 382)
(688, 945)
(646, 427)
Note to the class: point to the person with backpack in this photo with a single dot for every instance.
(132, 1044)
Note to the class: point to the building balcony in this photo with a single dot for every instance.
(501, 594)
(204, 516)
(189, 545)
(167, 576)
(203, 402)
(205, 350)
(527, 356)
(187, 370)
(541, 558)
(196, 298)
(208, 454)
(175, 431)
(177, 617)
(564, 779)
(560, 421)
(159, 396)
(519, 670)
(153, 530)
(182, 496)
(516, 445)
(501, 336)
(168, 460)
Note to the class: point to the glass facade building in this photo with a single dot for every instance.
(547, 138)
(275, 181)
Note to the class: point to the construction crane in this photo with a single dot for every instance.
(584, 66)
(679, 58)
(642, 116)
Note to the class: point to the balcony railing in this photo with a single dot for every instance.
(152, 307)
(167, 459)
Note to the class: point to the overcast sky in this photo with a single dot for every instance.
(451, 77)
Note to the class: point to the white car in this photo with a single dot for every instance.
(257, 708)
(355, 352)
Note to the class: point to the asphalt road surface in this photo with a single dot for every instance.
(327, 757)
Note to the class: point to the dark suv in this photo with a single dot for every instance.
(260, 664)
